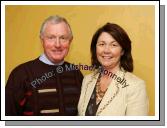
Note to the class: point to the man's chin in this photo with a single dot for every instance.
(57, 59)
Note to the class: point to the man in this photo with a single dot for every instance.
(43, 86)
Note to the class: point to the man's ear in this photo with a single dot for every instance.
(41, 38)
(71, 40)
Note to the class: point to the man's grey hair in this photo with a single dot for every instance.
(55, 20)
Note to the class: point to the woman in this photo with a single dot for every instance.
(112, 90)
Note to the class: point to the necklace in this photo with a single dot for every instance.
(99, 92)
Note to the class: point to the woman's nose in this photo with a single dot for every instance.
(107, 49)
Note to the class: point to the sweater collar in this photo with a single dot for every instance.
(45, 60)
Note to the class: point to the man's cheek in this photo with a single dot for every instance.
(66, 46)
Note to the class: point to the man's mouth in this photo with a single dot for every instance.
(57, 51)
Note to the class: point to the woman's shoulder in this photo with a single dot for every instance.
(89, 78)
(132, 77)
(136, 86)
(133, 80)
(91, 75)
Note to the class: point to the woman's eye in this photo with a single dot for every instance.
(114, 44)
(101, 44)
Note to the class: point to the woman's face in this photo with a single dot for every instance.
(108, 51)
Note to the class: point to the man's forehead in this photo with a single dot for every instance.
(56, 23)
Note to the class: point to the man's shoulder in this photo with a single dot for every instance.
(73, 68)
(21, 67)
(68, 63)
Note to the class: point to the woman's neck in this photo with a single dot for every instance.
(113, 70)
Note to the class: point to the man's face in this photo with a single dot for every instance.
(56, 41)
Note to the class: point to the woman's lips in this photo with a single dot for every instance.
(106, 57)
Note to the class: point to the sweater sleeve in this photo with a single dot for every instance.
(14, 94)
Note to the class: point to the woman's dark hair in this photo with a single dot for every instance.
(121, 37)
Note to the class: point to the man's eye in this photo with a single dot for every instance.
(63, 38)
(51, 37)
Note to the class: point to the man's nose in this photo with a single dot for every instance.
(57, 42)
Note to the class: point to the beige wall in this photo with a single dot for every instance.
(22, 25)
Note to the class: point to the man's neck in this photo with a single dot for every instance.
(45, 60)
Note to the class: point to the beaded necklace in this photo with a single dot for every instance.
(99, 92)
